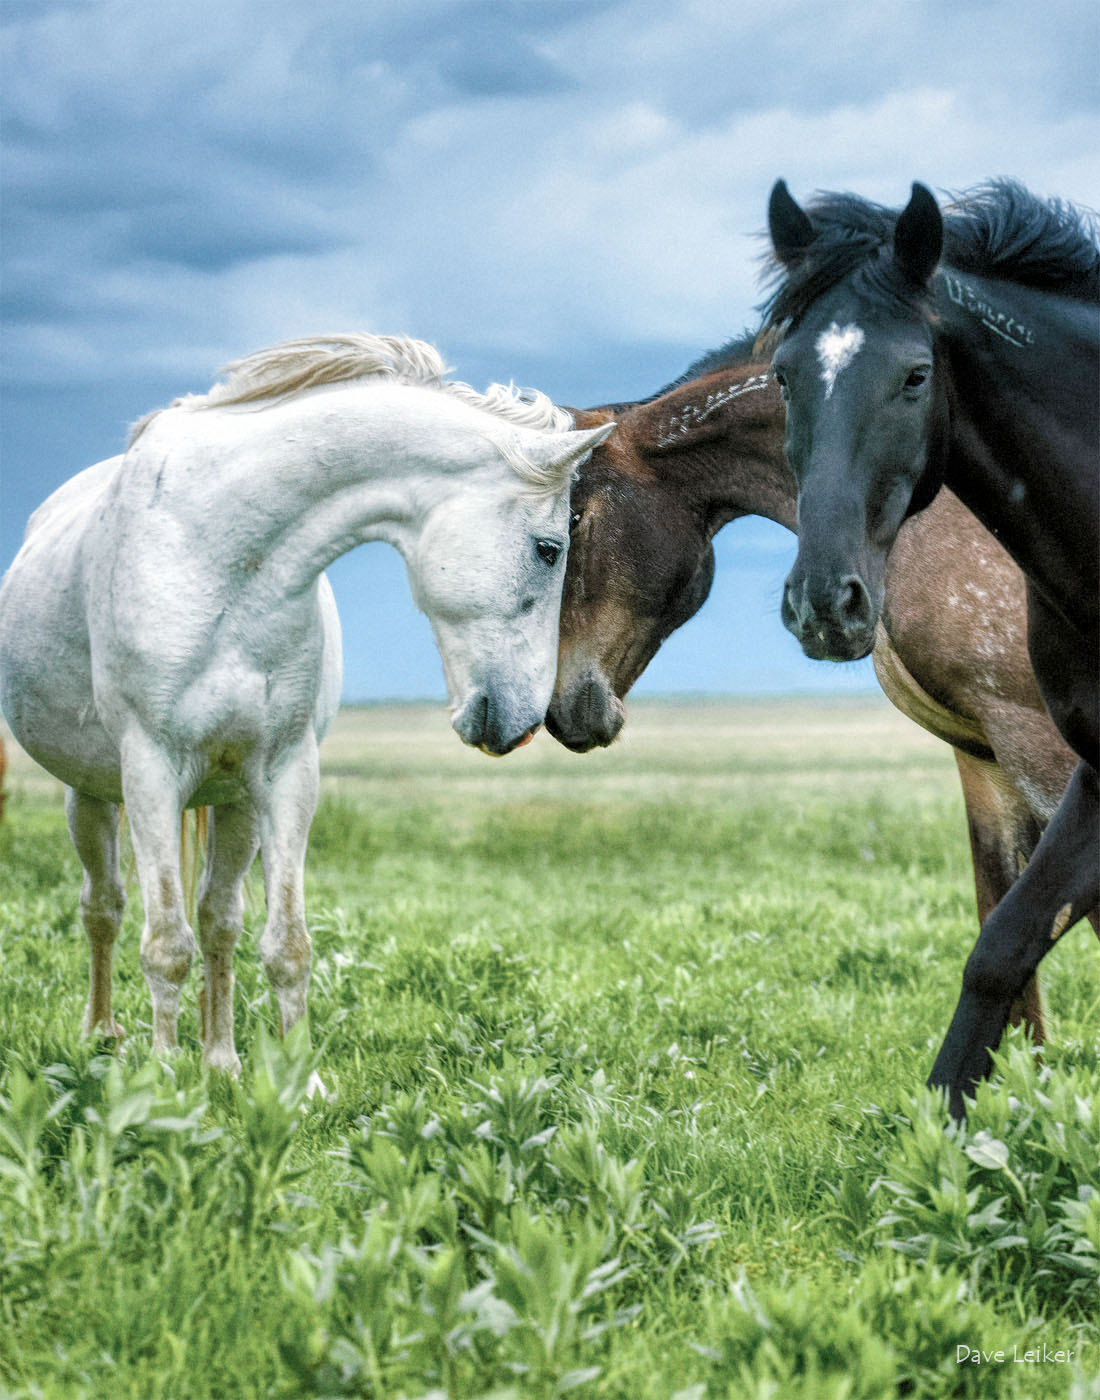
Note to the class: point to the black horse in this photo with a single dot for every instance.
(959, 348)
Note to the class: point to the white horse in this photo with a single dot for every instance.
(168, 638)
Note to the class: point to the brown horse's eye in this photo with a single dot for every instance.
(548, 551)
(575, 520)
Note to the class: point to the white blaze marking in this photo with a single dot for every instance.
(836, 349)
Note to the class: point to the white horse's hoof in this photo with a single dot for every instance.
(223, 1062)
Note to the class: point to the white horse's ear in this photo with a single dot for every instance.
(564, 450)
(593, 437)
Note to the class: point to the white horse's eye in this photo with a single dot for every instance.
(548, 551)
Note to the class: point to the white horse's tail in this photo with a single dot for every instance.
(194, 826)
(192, 847)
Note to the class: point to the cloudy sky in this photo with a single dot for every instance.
(566, 193)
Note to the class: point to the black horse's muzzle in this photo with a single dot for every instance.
(833, 620)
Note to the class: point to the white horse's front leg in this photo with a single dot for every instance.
(152, 792)
(230, 849)
(93, 826)
(286, 806)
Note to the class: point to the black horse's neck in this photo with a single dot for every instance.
(1021, 365)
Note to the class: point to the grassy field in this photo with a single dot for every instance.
(623, 1055)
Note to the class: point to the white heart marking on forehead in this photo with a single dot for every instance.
(836, 348)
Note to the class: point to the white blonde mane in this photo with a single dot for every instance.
(281, 371)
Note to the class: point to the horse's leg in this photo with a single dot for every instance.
(1003, 835)
(286, 803)
(231, 845)
(152, 790)
(93, 826)
(1059, 885)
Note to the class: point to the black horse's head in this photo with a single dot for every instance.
(856, 366)
(640, 564)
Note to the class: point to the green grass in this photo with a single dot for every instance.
(623, 1053)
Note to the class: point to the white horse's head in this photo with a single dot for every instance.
(488, 567)
(471, 487)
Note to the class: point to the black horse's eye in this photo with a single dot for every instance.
(575, 520)
(916, 377)
(548, 551)
(781, 379)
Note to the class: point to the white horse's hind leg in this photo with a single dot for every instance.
(93, 826)
(151, 789)
(230, 849)
(285, 815)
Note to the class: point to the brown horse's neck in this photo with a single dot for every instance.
(721, 437)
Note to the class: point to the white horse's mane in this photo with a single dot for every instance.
(290, 368)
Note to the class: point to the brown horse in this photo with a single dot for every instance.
(951, 648)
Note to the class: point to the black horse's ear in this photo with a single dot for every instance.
(918, 235)
(789, 225)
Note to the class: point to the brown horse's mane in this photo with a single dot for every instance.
(743, 348)
(736, 352)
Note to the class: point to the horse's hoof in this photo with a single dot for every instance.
(223, 1062)
(105, 1032)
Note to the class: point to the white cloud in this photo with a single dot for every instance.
(184, 184)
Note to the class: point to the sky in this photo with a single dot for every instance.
(567, 194)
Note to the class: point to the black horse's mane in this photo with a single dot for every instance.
(995, 230)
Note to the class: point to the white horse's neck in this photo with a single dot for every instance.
(280, 492)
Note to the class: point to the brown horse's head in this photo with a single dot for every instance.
(645, 509)
(640, 564)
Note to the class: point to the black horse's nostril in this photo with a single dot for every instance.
(853, 602)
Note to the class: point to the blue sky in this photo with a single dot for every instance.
(567, 193)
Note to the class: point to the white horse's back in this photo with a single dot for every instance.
(80, 493)
(46, 673)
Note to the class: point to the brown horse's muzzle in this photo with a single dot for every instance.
(587, 714)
